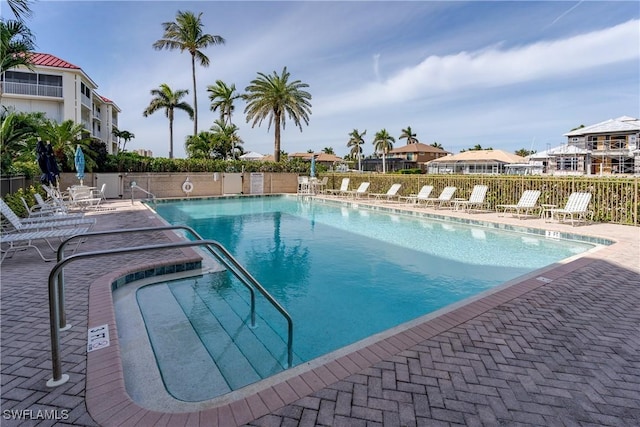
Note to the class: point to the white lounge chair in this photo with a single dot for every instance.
(24, 239)
(422, 195)
(577, 208)
(344, 187)
(528, 202)
(476, 199)
(43, 209)
(42, 223)
(444, 199)
(391, 193)
(360, 191)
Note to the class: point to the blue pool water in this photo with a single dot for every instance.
(343, 273)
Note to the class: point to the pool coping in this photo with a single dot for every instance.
(109, 404)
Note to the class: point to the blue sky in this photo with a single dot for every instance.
(506, 75)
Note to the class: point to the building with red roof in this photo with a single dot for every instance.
(53, 87)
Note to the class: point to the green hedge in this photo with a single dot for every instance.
(615, 199)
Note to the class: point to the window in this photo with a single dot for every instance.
(567, 164)
(19, 77)
(50, 80)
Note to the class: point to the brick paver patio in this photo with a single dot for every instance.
(561, 353)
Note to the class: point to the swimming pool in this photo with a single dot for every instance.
(343, 271)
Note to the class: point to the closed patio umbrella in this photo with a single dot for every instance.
(313, 166)
(54, 171)
(41, 154)
(79, 161)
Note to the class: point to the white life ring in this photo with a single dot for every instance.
(187, 186)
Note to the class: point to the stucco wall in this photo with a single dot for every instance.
(205, 184)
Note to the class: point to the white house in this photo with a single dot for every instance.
(62, 91)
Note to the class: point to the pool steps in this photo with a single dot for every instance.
(231, 354)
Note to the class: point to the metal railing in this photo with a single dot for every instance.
(134, 185)
(57, 316)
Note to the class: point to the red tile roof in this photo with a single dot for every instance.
(48, 60)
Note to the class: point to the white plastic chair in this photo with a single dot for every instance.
(527, 203)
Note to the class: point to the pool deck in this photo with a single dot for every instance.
(559, 347)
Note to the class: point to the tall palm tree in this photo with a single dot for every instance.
(409, 136)
(273, 96)
(186, 33)
(165, 98)
(356, 141)
(222, 97)
(16, 44)
(383, 142)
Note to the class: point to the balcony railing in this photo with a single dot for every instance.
(31, 89)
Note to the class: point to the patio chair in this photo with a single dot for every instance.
(577, 208)
(391, 193)
(444, 199)
(99, 193)
(528, 202)
(321, 186)
(82, 197)
(360, 191)
(422, 195)
(21, 240)
(344, 187)
(42, 223)
(303, 185)
(476, 199)
(43, 209)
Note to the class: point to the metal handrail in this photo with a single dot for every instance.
(60, 255)
(134, 185)
(54, 305)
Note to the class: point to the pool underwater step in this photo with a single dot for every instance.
(205, 323)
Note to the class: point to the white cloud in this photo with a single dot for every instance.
(494, 67)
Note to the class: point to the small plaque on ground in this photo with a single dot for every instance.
(98, 338)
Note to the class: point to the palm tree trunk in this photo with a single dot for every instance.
(276, 147)
(171, 134)
(195, 96)
(360, 162)
(384, 165)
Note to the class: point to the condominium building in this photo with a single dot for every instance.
(62, 91)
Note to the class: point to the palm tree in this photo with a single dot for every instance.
(273, 96)
(409, 136)
(383, 142)
(186, 34)
(20, 8)
(64, 137)
(328, 150)
(356, 141)
(168, 100)
(437, 145)
(200, 146)
(222, 97)
(523, 152)
(122, 134)
(227, 139)
(16, 44)
(17, 132)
